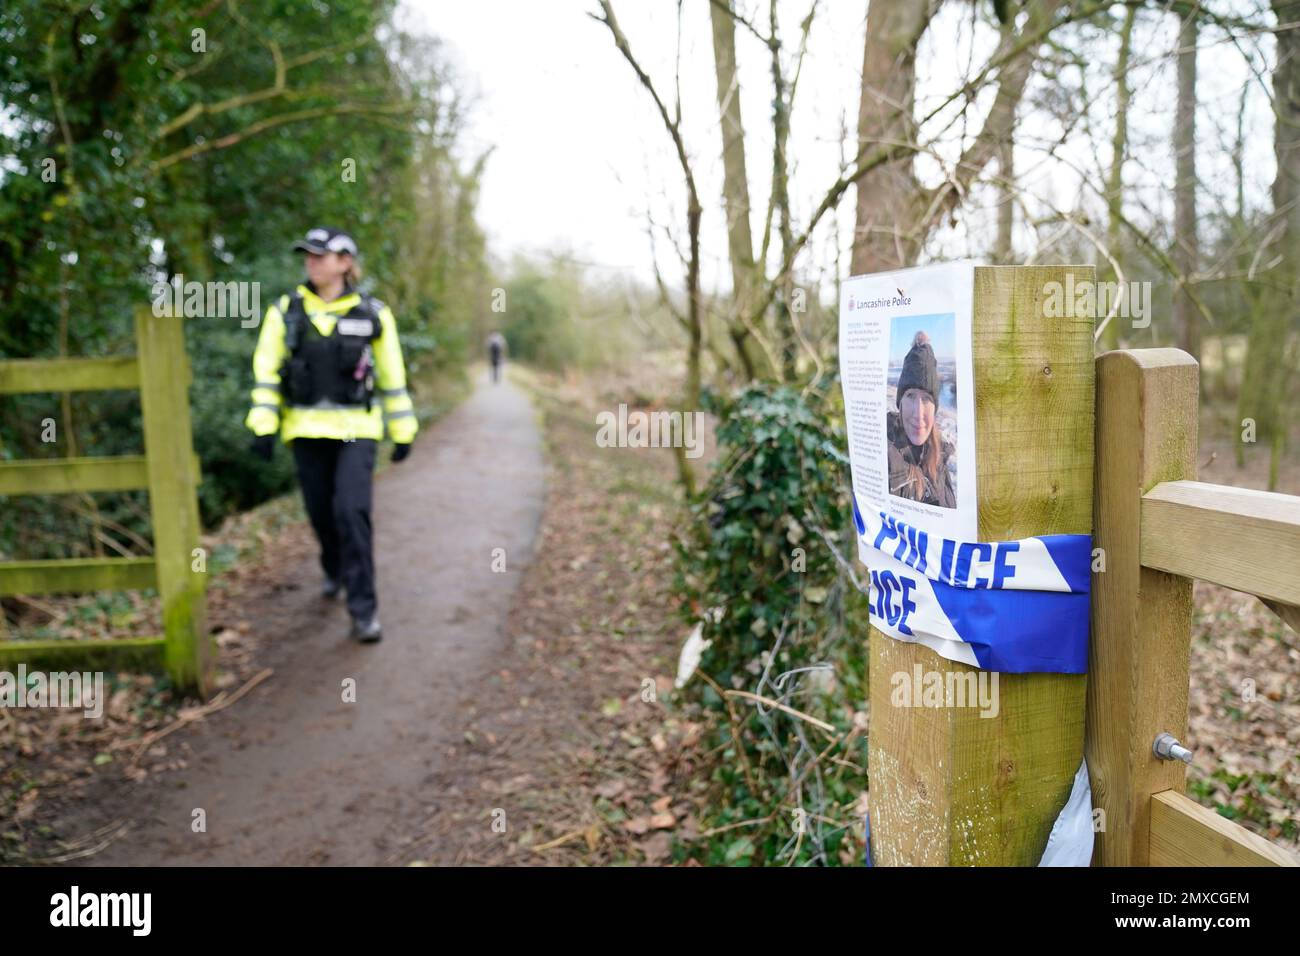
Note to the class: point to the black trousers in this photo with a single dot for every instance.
(337, 489)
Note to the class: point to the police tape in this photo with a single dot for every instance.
(1014, 606)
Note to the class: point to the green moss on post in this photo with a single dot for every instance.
(64, 475)
(76, 575)
(26, 376)
(121, 654)
(189, 655)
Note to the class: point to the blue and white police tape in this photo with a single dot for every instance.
(1014, 606)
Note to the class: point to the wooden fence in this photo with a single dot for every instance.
(1071, 444)
(1159, 529)
(168, 469)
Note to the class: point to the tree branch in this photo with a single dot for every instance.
(271, 122)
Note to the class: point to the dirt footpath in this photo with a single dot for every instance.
(294, 774)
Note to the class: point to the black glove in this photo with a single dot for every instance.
(400, 452)
(263, 447)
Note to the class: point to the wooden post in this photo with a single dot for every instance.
(949, 787)
(164, 399)
(1141, 617)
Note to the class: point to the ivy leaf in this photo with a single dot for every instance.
(739, 851)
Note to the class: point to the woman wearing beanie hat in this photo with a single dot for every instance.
(918, 455)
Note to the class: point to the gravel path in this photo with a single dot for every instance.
(293, 774)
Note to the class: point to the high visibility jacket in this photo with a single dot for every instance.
(391, 407)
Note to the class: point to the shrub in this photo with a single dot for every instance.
(758, 566)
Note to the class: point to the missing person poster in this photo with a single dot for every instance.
(907, 374)
(905, 367)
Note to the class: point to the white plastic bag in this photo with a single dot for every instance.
(1070, 842)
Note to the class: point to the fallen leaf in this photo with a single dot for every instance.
(656, 848)
(611, 788)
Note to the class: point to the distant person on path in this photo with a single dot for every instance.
(496, 345)
(918, 455)
(328, 377)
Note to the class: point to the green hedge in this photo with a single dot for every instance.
(756, 569)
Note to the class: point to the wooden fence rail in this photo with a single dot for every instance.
(168, 469)
(1236, 537)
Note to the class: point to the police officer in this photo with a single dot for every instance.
(328, 377)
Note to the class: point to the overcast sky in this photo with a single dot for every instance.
(580, 153)
(580, 156)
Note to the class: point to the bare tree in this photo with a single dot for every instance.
(1118, 153)
(692, 320)
(1186, 253)
(885, 116)
(735, 180)
(1002, 248)
(895, 213)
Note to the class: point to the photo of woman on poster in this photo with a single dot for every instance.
(921, 460)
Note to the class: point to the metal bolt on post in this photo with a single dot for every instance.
(1167, 747)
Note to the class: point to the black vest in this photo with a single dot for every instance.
(330, 370)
